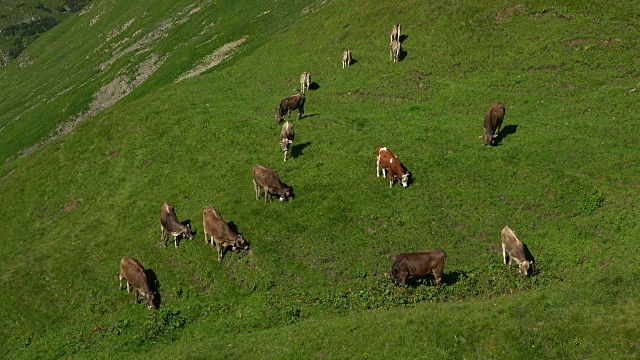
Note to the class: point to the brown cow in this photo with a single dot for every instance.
(346, 59)
(492, 123)
(294, 102)
(395, 32)
(305, 81)
(217, 231)
(387, 161)
(133, 273)
(169, 224)
(286, 138)
(418, 263)
(269, 180)
(394, 51)
(513, 249)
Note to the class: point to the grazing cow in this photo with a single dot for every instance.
(346, 59)
(269, 180)
(386, 161)
(217, 231)
(395, 32)
(305, 81)
(513, 249)
(394, 51)
(294, 102)
(133, 273)
(286, 138)
(169, 224)
(493, 123)
(418, 263)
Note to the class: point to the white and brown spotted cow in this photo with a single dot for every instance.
(286, 138)
(305, 81)
(513, 249)
(346, 59)
(217, 232)
(169, 225)
(388, 162)
(133, 273)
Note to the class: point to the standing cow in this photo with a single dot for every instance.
(346, 59)
(418, 263)
(133, 273)
(217, 232)
(305, 81)
(492, 123)
(513, 249)
(286, 138)
(387, 161)
(395, 33)
(394, 51)
(294, 102)
(169, 225)
(269, 180)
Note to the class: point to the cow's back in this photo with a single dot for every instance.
(494, 117)
(512, 244)
(133, 271)
(168, 216)
(264, 177)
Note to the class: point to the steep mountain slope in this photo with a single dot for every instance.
(563, 176)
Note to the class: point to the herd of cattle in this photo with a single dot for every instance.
(216, 230)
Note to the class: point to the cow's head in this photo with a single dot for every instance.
(149, 297)
(286, 195)
(240, 243)
(487, 138)
(284, 144)
(526, 267)
(186, 232)
(405, 179)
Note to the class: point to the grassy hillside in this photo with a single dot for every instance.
(563, 176)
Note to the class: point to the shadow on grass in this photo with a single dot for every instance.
(402, 55)
(154, 283)
(314, 86)
(403, 38)
(296, 150)
(429, 280)
(506, 131)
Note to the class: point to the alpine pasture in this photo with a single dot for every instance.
(126, 105)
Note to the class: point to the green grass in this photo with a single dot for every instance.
(313, 284)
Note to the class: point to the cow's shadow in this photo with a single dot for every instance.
(447, 279)
(402, 54)
(353, 61)
(504, 132)
(403, 38)
(529, 257)
(314, 86)
(233, 227)
(296, 150)
(154, 284)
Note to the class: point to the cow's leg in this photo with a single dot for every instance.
(219, 248)
(129, 286)
(164, 236)
(267, 196)
(378, 167)
(504, 254)
(137, 296)
(403, 277)
(256, 188)
(121, 278)
(175, 239)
